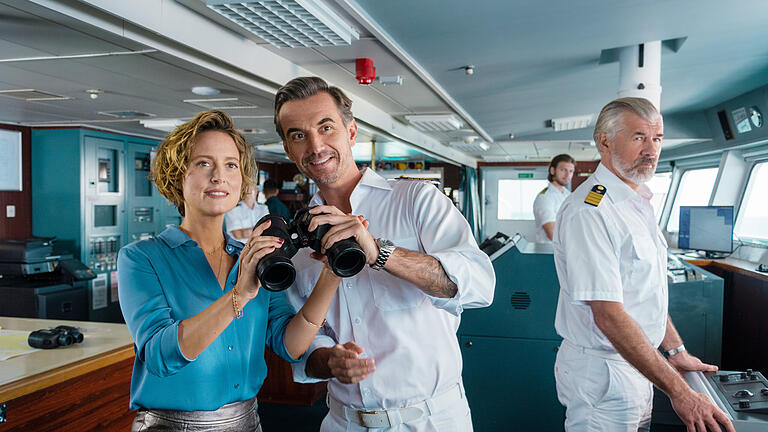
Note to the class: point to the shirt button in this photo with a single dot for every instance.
(366, 391)
(357, 320)
(229, 248)
(237, 385)
(229, 347)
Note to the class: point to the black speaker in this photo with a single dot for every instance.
(725, 125)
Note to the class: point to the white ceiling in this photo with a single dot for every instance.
(534, 61)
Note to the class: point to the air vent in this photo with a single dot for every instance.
(430, 123)
(32, 95)
(126, 114)
(521, 300)
(221, 103)
(470, 146)
(287, 23)
(252, 131)
(569, 123)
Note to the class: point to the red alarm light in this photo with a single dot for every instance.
(365, 72)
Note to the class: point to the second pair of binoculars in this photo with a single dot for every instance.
(53, 338)
(276, 271)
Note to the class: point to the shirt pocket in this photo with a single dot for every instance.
(392, 293)
(644, 257)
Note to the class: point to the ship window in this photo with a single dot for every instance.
(659, 185)
(516, 198)
(695, 189)
(753, 213)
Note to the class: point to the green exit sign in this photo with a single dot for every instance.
(525, 175)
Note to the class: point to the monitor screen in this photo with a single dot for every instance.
(706, 228)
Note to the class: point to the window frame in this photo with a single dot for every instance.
(738, 207)
(678, 181)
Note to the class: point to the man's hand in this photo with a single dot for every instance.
(344, 226)
(699, 413)
(685, 362)
(346, 366)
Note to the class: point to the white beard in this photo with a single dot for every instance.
(633, 172)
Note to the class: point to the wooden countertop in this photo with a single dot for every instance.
(731, 264)
(104, 344)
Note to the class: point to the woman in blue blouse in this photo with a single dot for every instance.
(191, 299)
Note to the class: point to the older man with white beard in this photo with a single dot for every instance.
(612, 311)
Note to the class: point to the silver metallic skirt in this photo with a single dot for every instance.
(237, 416)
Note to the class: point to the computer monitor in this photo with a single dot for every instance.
(706, 228)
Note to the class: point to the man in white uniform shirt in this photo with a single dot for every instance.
(548, 201)
(389, 345)
(612, 311)
(240, 220)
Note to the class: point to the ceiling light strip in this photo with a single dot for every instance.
(78, 56)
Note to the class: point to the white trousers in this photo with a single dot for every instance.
(457, 418)
(601, 393)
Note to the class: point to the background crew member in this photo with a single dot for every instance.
(390, 342)
(275, 206)
(240, 221)
(548, 201)
(612, 311)
(197, 367)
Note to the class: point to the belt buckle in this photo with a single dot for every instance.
(361, 413)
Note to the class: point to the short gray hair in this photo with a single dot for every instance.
(610, 119)
(306, 87)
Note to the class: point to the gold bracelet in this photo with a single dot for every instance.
(238, 311)
(301, 312)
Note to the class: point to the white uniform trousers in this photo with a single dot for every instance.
(601, 391)
(456, 418)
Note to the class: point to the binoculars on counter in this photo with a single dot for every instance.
(54, 338)
(276, 271)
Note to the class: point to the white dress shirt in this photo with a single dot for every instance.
(242, 217)
(410, 335)
(545, 208)
(612, 252)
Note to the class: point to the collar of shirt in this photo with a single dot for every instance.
(175, 237)
(553, 187)
(617, 190)
(369, 180)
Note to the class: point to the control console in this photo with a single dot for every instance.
(742, 395)
(743, 391)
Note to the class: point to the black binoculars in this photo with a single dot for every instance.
(54, 338)
(276, 271)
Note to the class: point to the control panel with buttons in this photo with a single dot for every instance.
(744, 391)
(742, 395)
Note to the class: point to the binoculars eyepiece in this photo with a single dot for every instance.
(276, 271)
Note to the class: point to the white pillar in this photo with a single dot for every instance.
(640, 72)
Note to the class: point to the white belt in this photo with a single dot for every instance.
(610, 355)
(381, 418)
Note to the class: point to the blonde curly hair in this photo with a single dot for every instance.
(170, 164)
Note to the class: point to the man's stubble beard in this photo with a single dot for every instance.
(632, 172)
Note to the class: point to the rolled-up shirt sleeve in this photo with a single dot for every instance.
(280, 314)
(445, 235)
(147, 314)
(592, 266)
(543, 210)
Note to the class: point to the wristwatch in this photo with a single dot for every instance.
(677, 350)
(386, 248)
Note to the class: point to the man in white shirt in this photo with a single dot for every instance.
(548, 201)
(240, 220)
(612, 311)
(389, 346)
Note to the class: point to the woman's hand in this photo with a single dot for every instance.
(254, 250)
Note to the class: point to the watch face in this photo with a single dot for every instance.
(755, 116)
